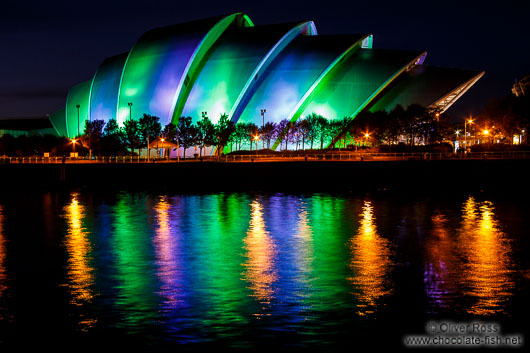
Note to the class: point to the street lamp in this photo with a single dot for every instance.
(470, 121)
(256, 139)
(263, 111)
(366, 136)
(130, 110)
(73, 143)
(163, 148)
(486, 133)
(78, 106)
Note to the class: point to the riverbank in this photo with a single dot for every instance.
(275, 176)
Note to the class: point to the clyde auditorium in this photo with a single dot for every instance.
(227, 65)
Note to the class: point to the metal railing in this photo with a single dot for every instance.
(280, 157)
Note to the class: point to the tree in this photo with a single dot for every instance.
(112, 141)
(186, 133)
(150, 129)
(239, 135)
(131, 134)
(251, 131)
(395, 124)
(282, 132)
(312, 128)
(337, 131)
(301, 131)
(205, 133)
(170, 132)
(267, 133)
(223, 130)
(92, 134)
(413, 122)
(323, 128)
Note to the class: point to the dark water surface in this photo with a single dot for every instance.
(161, 271)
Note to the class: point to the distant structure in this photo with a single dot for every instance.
(227, 65)
(22, 126)
(522, 87)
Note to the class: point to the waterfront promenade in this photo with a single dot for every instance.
(280, 157)
(331, 172)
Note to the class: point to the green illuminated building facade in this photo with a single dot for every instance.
(227, 65)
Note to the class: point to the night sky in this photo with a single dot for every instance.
(47, 47)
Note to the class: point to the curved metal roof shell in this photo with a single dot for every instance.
(292, 74)
(226, 65)
(160, 69)
(424, 85)
(232, 62)
(105, 88)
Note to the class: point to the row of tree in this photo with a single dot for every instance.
(418, 124)
(413, 125)
(506, 117)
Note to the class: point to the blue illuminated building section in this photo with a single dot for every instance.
(232, 62)
(160, 68)
(292, 74)
(105, 88)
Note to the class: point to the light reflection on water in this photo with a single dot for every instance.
(260, 267)
(442, 265)
(471, 262)
(201, 268)
(487, 271)
(370, 262)
(79, 267)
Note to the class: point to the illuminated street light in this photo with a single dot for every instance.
(256, 138)
(470, 121)
(367, 137)
(73, 143)
(486, 133)
(263, 111)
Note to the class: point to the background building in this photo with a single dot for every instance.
(227, 65)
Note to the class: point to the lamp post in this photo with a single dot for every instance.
(130, 110)
(367, 137)
(256, 138)
(73, 143)
(485, 133)
(78, 106)
(263, 111)
(470, 121)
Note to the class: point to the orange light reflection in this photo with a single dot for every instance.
(260, 271)
(78, 246)
(487, 275)
(370, 263)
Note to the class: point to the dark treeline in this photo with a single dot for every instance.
(410, 126)
(505, 118)
(311, 132)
